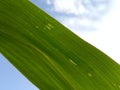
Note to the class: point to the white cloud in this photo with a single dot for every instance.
(79, 24)
(89, 16)
(79, 7)
(86, 13)
(107, 37)
(68, 6)
(48, 2)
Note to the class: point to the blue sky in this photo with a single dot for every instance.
(11, 78)
(96, 21)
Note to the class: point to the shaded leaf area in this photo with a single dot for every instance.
(50, 55)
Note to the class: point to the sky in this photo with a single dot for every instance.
(96, 21)
(11, 78)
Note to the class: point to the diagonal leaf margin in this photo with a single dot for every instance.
(50, 55)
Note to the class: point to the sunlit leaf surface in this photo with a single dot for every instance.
(49, 55)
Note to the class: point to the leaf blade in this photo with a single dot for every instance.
(50, 55)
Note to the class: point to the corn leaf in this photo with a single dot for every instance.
(49, 55)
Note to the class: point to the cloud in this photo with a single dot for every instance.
(85, 14)
(77, 24)
(68, 6)
(48, 2)
(106, 37)
(79, 7)
(96, 21)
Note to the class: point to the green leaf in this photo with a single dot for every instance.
(50, 55)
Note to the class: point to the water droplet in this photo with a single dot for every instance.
(72, 62)
(89, 74)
